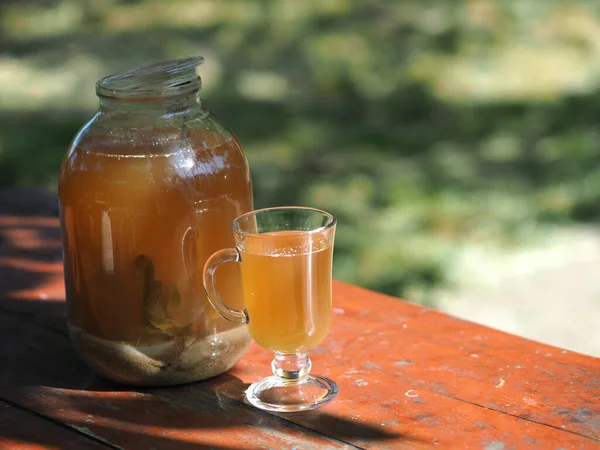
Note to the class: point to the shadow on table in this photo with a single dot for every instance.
(40, 371)
(28, 202)
(31, 280)
(233, 389)
(30, 251)
(183, 417)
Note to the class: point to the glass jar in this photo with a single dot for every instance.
(148, 190)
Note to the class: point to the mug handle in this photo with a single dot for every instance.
(210, 285)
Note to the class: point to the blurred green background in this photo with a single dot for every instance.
(425, 126)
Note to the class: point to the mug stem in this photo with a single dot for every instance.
(291, 367)
(291, 388)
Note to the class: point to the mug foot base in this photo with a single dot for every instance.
(274, 394)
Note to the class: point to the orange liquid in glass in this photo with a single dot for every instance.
(286, 279)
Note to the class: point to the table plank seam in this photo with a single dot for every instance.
(89, 436)
(304, 428)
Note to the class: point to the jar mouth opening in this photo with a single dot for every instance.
(162, 80)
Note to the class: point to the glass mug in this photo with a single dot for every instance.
(286, 258)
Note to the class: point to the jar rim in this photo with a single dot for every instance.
(161, 80)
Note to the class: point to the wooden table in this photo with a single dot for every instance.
(409, 377)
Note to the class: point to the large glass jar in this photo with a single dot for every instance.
(148, 191)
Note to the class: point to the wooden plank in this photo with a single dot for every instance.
(31, 277)
(477, 364)
(374, 410)
(411, 372)
(42, 373)
(127, 419)
(30, 259)
(379, 414)
(409, 377)
(23, 430)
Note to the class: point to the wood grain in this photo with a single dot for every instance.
(23, 430)
(410, 377)
(43, 374)
(411, 371)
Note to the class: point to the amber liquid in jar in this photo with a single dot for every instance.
(138, 224)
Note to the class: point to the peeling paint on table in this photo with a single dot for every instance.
(409, 377)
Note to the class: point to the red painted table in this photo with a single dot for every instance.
(409, 377)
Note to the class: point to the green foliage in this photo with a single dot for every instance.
(421, 125)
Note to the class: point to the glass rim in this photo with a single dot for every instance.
(161, 80)
(331, 219)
